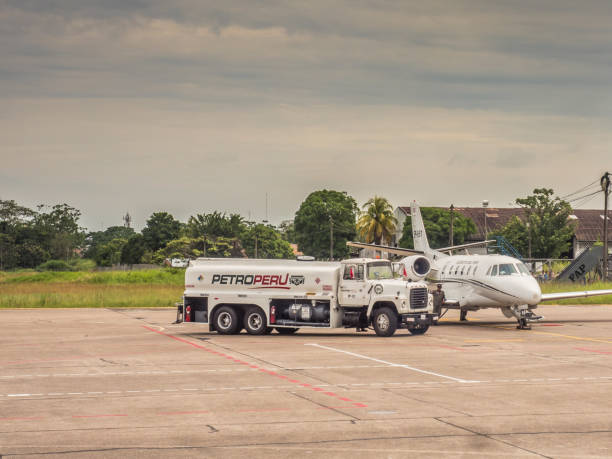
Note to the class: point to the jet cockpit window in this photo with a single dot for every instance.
(380, 270)
(474, 271)
(494, 270)
(462, 268)
(456, 269)
(488, 271)
(507, 269)
(523, 269)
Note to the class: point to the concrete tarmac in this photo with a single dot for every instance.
(109, 383)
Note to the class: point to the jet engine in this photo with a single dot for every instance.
(415, 267)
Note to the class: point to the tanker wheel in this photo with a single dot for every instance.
(286, 331)
(418, 329)
(255, 321)
(385, 322)
(226, 321)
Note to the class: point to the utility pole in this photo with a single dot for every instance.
(605, 186)
(485, 204)
(528, 239)
(331, 238)
(255, 245)
(451, 238)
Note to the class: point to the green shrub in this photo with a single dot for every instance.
(82, 264)
(54, 265)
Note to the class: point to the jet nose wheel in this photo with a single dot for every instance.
(523, 324)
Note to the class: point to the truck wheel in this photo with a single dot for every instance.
(286, 331)
(385, 322)
(418, 330)
(255, 321)
(226, 320)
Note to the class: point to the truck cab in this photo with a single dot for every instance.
(384, 299)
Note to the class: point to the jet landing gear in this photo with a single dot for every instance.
(523, 315)
(463, 315)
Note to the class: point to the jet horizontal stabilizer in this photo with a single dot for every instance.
(464, 246)
(384, 248)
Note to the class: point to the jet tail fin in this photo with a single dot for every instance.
(418, 229)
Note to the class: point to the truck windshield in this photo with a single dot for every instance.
(380, 270)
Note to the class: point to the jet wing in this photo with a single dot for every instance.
(582, 294)
(384, 248)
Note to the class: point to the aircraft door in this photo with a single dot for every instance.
(353, 286)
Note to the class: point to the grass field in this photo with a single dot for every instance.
(151, 288)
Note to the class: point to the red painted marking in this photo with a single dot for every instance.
(175, 338)
(343, 407)
(593, 350)
(173, 413)
(272, 373)
(344, 399)
(450, 347)
(360, 405)
(99, 415)
(253, 366)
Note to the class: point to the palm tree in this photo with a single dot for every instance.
(377, 222)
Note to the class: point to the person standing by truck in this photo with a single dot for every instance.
(438, 300)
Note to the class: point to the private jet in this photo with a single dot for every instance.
(472, 282)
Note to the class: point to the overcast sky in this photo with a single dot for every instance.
(191, 106)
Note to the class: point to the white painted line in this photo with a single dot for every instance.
(418, 370)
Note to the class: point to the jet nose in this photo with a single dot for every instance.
(532, 293)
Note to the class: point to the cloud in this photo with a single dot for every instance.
(209, 105)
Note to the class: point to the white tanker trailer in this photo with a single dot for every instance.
(258, 295)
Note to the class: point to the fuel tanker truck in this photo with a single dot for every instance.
(230, 294)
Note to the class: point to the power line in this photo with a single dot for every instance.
(585, 196)
(587, 200)
(580, 190)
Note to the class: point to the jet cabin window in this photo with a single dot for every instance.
(353, 272)
(494, 270)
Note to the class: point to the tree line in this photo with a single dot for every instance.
(322, 225)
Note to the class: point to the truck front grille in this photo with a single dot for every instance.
(418, 298)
